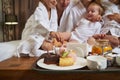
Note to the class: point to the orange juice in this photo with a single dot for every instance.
(96, 50)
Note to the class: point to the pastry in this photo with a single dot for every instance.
(67, 58)
(67, 61)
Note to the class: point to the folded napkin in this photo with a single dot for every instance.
(80, 48)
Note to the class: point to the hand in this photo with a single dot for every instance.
(111, 16)
(98, 18)
(115, 17)
(47, 45)
(53, 34)
(114, 41)
(99, 36)
(91, 41)
(57, 35)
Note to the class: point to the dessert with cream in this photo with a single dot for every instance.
(66, 58)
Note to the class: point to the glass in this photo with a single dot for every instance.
(101, 46)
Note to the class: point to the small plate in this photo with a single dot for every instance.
(80, 63)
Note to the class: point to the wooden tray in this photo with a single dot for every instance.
(113, 68)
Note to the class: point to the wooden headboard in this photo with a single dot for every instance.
(32, 5)
(23, 9)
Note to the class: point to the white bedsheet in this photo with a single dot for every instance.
(8, 49)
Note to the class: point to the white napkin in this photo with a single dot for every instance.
(80, 48)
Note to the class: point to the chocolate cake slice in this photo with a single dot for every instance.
(51, 59)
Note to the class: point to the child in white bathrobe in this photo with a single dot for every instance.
(37, 28)
(110, 25)
(86, 27)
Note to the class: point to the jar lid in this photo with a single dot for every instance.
(103, 41)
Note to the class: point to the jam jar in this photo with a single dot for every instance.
(101, 46)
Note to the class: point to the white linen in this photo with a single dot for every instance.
(8, 49)
(36, 30)
(110, 25)
(74, 16)
(85, 29)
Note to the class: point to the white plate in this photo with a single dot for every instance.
(80, 63)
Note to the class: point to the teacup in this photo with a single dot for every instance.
(95, 62)
(80, 48)
(118, 60)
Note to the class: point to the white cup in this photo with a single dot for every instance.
(118, 60)
(80, 48)
(96, 62)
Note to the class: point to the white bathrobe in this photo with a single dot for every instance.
(85, 29)
(112, 26)
(64, 19)
(35, 31)
(74, 16)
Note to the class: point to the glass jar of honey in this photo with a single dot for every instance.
(101, 46)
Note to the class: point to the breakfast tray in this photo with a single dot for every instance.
(85, 69)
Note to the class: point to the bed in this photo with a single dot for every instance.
(8, 49)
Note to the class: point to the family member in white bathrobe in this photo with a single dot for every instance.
(63, 9)
(37, 28)
(78, 10)
(111, 9)
(86, 27)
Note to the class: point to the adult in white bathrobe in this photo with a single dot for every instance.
(64, 8)
(38, 27)
(75, 15)
(111, 9)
